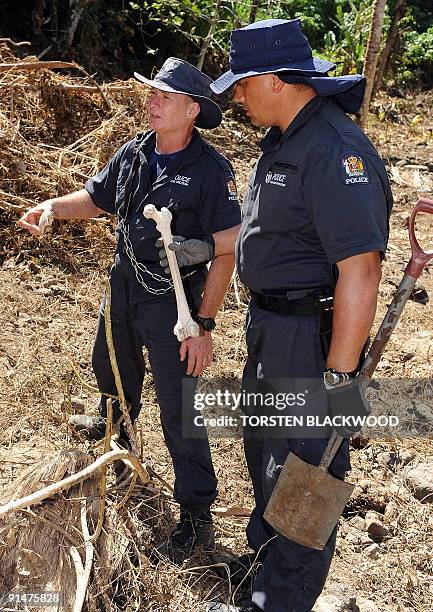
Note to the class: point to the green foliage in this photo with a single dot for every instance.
(416, 60)
(412, 62)
(346, 44)
(190, 19)
(419, 47)
(421, 14)
(125, 31)
(184, 18)
(337, 29)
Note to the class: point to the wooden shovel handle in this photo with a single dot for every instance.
(413, 270)
(419, 256)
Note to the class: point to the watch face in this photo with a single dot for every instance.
(330, 377)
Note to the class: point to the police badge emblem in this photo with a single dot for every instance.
(233, 192)
(353, 169)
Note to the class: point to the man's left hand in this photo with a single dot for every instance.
(348, 401)
(189, 252)
(199, 351)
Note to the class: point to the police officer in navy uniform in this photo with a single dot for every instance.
(314, 231)
(172, 166)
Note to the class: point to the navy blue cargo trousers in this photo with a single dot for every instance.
(141, 319)
(284, 347)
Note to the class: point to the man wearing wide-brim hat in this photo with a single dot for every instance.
(170, 165)
(314, 230)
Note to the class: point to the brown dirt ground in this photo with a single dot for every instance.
(50, 290)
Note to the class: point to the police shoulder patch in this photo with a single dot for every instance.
(353, 169)
(232, 189)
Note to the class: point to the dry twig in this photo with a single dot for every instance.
(116, 372)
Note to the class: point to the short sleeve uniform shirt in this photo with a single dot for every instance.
(197, 186)
(319, 194)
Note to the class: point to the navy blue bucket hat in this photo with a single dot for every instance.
(347, 91)
(278, 46)
(270, 46)
(178, 76)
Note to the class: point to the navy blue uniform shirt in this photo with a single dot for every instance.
(198, 188)
(319, 194)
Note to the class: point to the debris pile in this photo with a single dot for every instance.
(58, 127)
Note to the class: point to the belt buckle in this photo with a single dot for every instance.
(324, 302)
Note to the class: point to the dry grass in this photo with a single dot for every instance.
(50, 289)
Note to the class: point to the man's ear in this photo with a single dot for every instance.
(277, 84)
(193, 110)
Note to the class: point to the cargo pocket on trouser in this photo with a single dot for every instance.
(274, 455)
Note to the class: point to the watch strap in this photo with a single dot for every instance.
(207, 323)
(333, 378)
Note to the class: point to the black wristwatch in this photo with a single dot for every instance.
(333, 378)
(207, 323)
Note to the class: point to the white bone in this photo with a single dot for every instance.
(45, 220)
(185, 327)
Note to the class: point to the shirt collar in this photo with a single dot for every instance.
(189, 155)
(274, 139)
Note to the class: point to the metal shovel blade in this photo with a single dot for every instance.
(306, 503)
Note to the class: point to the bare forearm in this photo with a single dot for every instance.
(355, 303)
(225, 241)
(76, 205)
(217, 283)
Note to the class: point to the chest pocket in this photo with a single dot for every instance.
(281, 173)
(281, 198)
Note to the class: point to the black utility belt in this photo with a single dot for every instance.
(314, 303)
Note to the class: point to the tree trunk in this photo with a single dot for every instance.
(76, 10)
(253, 11)
(399, 10)
(38, 16)
(207, 41)
(372, 56)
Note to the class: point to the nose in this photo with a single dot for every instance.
(238, 95)
(152, 101)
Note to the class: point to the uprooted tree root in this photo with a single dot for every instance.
(50, 542)
(48, 547)
(42, 546)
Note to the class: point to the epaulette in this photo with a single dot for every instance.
(221, 160)
(339, 122)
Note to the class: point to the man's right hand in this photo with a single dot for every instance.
(31, 220)
(188, 252)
